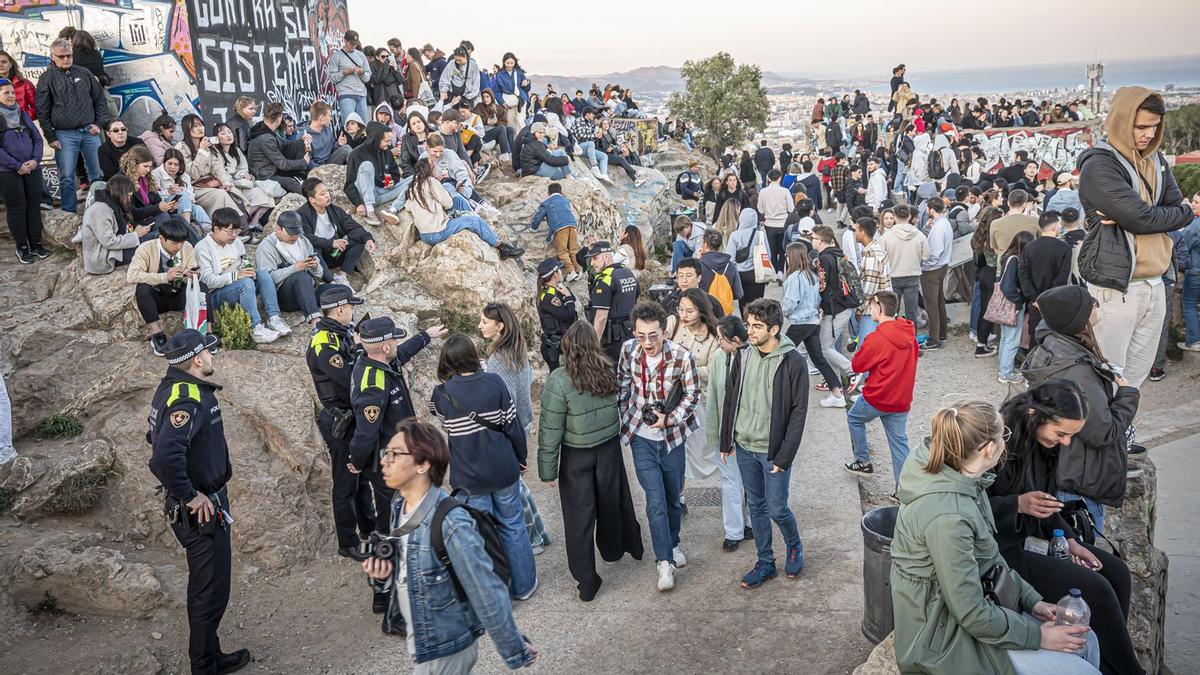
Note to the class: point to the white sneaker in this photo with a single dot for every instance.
(506, 158)
(277, 324)
(666, 575)
(263, 335)
(680, 559)
(605, 179)
(1194, 347)
(832, 401)
(341, 278)
(639, 181)
(573, 276)
(389, 216)
(371, 218)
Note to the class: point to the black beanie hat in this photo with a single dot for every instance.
(1066, 309)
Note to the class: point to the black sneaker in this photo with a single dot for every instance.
(353, 553)
(858, 468)
(24, 256)
(984, 351)
(1137, 450)
(1157, 374)
(40, 251)
(379, 602)
(229, 663)
(158, 344)
(507, 251)
(731, 545)
(682, 508)
(748, 534)
(930, 346)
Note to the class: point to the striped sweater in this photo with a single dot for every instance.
(481, 460)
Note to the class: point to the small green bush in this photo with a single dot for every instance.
(81, 493)
(232, 324)
(1188, 177)
(461, 322)
(56, 427)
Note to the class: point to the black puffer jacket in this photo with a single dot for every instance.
(534, 153)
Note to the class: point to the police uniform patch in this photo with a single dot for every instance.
(336, 361)
(180, 418)
(556, 302)
(371, 412)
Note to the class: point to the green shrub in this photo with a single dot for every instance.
(56, 427)
(81, 492)
(232, 324)
(461, 322)
(7, 497)
(1188, 177)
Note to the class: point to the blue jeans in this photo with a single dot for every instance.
(349, 104)
(679, 251)
(506, 505)
(894, 426)
(1191, 296)
(74, 142)
(660, 472)
(468, 222)
(975, 308)
(901, 174)
(1038, 661)
(767, 501)
(597, 159)
(372, 194)
(555, 172)
(1010, 341)
(7, 452)
(1093, 507)
(240, 292)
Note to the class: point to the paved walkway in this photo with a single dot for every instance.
(1175, 533)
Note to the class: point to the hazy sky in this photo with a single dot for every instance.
(569, 37)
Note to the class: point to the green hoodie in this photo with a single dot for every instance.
(944, 542)
(752, 428)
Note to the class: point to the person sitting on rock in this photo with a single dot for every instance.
(429, 202)
(373, 178)
(340, 240)
(117, 142)
(289, 270)
(471, 133)
(454, 174)
(226, 272)
(538, 160)
(159, 271)
(108, 235)
(620, 154)
(328, 146)
(584, 131)
(160, 137)
(272, 157)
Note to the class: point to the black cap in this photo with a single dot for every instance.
(548, 267)
(1066, 309)
(290, 221)
(598, 248)
(337, 295)
(187, 344)
(379, 329)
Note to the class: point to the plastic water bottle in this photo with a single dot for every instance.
(1058, 546)
(1072, 610)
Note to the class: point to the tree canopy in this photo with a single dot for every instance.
(1182, 132)
(724, 102)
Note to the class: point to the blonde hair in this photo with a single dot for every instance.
(959, 431)
(137, 155)
(727, 220)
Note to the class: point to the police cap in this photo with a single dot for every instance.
(547, 267)
(187, 344)
(337, 295)
(598, 248)
(379, 329)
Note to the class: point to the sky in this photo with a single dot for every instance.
(584, 38)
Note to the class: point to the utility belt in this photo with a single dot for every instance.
(341, 419)
(177, 512)
(617, 330)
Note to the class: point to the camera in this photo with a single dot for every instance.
(384, 548)
(649, 411)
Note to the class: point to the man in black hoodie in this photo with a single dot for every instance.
(272, 158)
(1045, 263)
(373, 177)
(838, 303)
(764, 161)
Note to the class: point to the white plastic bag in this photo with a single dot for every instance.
(763, 272)
(195, 311)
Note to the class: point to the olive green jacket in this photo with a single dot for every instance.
(944, 542)
(574, 418)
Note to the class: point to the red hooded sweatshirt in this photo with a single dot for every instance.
(890, 355)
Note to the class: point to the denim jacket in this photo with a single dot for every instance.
(801, 300)
(1187, 248)
(441, 624)
(556, 211)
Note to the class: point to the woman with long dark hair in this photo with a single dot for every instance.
(579, 447)
(693, 326)
(985, 279)
(24, 90)
(487, 449)
(732, 190)
(1044, 421)
(212, 185)
(109, 237)
(146, 205)
(250, 190)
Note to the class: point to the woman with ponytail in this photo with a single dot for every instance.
(942, 547)
(1027, 512)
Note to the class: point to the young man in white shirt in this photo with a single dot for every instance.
(775, 203)
(229, 273)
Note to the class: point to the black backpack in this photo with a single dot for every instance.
(937, 167)
(489, 531)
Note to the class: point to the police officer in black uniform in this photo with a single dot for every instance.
(556, 309)
(613, 293)
(191, 462)
(380, 400)
(331, 355)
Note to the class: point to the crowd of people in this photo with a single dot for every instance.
(712, 377)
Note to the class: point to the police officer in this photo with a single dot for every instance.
(331, 354)
(556, 309)
(613, 293)
(380, 400)
(191, 462)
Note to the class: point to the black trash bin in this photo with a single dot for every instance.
(878, 527)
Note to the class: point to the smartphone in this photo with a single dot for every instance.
(173, 198)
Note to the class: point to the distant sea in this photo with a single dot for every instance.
(1181, 71)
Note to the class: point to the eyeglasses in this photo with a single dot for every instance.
(118, 130)
(392, 455)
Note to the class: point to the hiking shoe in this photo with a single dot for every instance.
(858, 468)
(832, 401)
(1015, 378)
(481, 172)
(507, 251)
(666, 575)
(158, 344)
(795, 562)
(680, 558)
(761, 574)
(984, 351)
(731, 545)
(1157, 374)
(24, 256)
(39, 250)
(277, 324)
(1193, 347)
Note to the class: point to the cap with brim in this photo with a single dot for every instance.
(187, 344)
(548, 267)
(598, 248)
(337, 295)
(379, 329)
(290, 222)
(1063, 178)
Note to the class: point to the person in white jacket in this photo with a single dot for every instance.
(877, 190)
(227, 272)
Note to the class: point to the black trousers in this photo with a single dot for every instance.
(346, 260)
(597, 509)
(751, 290)
(551, 355)
(775, 243)
(353, 504)
(1106, 593)
(616, 158)
(210, 566)
(152, 301)
(809, 334)
(22, 195)
(987, 285)
(473, 148)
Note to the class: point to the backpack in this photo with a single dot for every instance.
(720, 289)
(851, 282)
(937, 167)
(489, 531)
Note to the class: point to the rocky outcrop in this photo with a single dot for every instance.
(141, 661)
(1131, 528)
(882, 660)
(72, 486)
(59, 227)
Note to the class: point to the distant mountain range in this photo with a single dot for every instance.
(660, 79)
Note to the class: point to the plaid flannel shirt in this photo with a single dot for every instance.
(874, 271)
(679, 366)
(838, 178)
